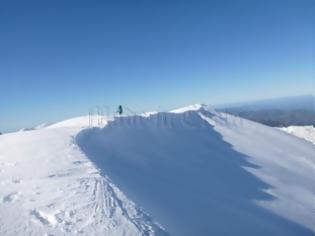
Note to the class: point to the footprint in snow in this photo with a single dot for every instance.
(59, 175)
(44, 218)
(11, 197)
(51, 205)
(78, 162)
(16, 181)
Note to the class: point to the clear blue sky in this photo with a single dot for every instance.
(59, 58)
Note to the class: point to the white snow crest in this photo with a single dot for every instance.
(192, 170)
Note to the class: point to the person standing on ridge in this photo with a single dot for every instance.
(120, 110)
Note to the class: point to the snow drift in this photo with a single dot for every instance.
(203, 173)
(191, 171)
(49, 187)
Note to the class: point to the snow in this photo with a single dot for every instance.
(48, 186)
(150, 113)
(43, 125)
(191, 171)
(194, 107)
(40, 126)
(285, 162)
(304, 132)
(81, 122)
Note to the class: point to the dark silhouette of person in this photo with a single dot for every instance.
(120, 110)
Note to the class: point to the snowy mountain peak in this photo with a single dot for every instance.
(194, 107)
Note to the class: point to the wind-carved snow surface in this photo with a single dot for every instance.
(286, 163)
(205, 173)
(49, 187)
(188, 172)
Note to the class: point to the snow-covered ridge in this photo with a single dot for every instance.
(304, 132)
(49, 187)
(198, 147)
(192, 171)
(194, 107)
(99, 121)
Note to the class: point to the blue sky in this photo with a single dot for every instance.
(60, 58)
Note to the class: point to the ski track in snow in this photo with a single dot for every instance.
(48, 187)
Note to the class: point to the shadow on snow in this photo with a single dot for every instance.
(179, 170)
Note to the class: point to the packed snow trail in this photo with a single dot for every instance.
(204, 173)
(49, 187)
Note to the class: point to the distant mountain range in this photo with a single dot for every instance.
(280, 112)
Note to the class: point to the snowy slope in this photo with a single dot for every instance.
(285, 162)
(196, 172)
(49, 187)
(304, 132)
(192, 171)
(82, 122)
